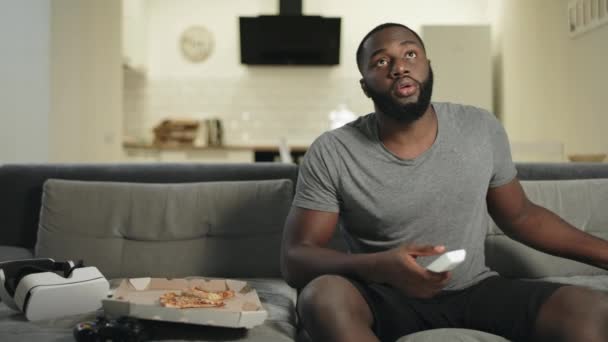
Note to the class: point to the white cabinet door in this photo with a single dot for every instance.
(461, 58)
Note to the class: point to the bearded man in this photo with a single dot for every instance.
(415, 179)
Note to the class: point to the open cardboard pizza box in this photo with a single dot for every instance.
(139, 298)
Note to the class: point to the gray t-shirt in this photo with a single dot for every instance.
(438, 198)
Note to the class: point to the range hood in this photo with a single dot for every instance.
(290, 7)
(289, 38)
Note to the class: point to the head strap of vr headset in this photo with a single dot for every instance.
(11, 272)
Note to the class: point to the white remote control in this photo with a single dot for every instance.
(447, 261)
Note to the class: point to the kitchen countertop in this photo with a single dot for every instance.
(185, 147)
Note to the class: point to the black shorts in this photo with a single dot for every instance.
(501, 306)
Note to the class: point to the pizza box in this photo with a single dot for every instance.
(139, 298)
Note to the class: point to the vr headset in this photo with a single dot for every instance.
(45, 289)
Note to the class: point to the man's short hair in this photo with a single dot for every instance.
(376, 29)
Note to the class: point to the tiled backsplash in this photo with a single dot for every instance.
(256, 108)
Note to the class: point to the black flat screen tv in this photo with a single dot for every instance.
(290, 40)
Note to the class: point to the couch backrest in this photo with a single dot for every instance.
(22, 191)
(223, 229)
(576, 202)
(556, 171)
(21, 185)
(581, 202)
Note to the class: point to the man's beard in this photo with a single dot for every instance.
(409, 112)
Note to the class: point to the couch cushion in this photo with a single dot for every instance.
(21, 185)
(580, 202)
(452, 335)
(276, 296)
(227, 229)
(561, 170)
(599, 282)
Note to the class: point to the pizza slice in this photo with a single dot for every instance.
(195, 298)
(210, 295)
(180, 301)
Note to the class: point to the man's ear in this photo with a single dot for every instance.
(364, 87)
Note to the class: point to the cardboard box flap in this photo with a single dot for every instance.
(212, 285)
(238, 286)
(249, 319)
(249, 306)
(134, 285)
(140, 283)
(139, 297)
(117, 307)
(167, 284)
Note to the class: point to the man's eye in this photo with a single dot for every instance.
(411, 54)
(381, 62)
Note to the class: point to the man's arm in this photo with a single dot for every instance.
(540, 228)
(304, 256)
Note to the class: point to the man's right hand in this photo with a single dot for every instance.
(304, 256)
(398, 268)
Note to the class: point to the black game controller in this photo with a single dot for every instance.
(122, 329)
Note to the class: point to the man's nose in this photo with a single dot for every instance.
(400, 68)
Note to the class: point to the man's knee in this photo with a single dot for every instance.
(596, 320)
(592, 326)
(575, 314)
(331, 298)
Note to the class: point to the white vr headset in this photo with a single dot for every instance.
(45, 289)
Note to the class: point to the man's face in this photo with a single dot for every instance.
(396, 74)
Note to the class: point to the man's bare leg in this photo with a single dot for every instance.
(573, 313)
(332, 309)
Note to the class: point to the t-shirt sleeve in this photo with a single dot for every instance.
(504, 169)
(317, 186)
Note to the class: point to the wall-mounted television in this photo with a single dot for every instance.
(290, 40)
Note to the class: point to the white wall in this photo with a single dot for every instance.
(168, 19)
(134, 33)
(24, 81)
(553, 87)
(61, 88)
(585, 88)
(60, 81)
(86, 80)
(260, 104)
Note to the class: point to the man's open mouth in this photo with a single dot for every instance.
(406, 87)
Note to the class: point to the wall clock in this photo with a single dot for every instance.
(196, 44)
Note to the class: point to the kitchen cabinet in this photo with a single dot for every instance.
(461, 57)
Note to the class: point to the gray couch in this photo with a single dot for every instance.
(133, 220)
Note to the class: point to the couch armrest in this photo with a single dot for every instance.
(13, 253)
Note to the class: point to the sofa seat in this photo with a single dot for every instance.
(278, 299)
(575, 191)
(598, 282)
(452, 335)
(276, 296)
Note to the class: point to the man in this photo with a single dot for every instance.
(412, 180)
